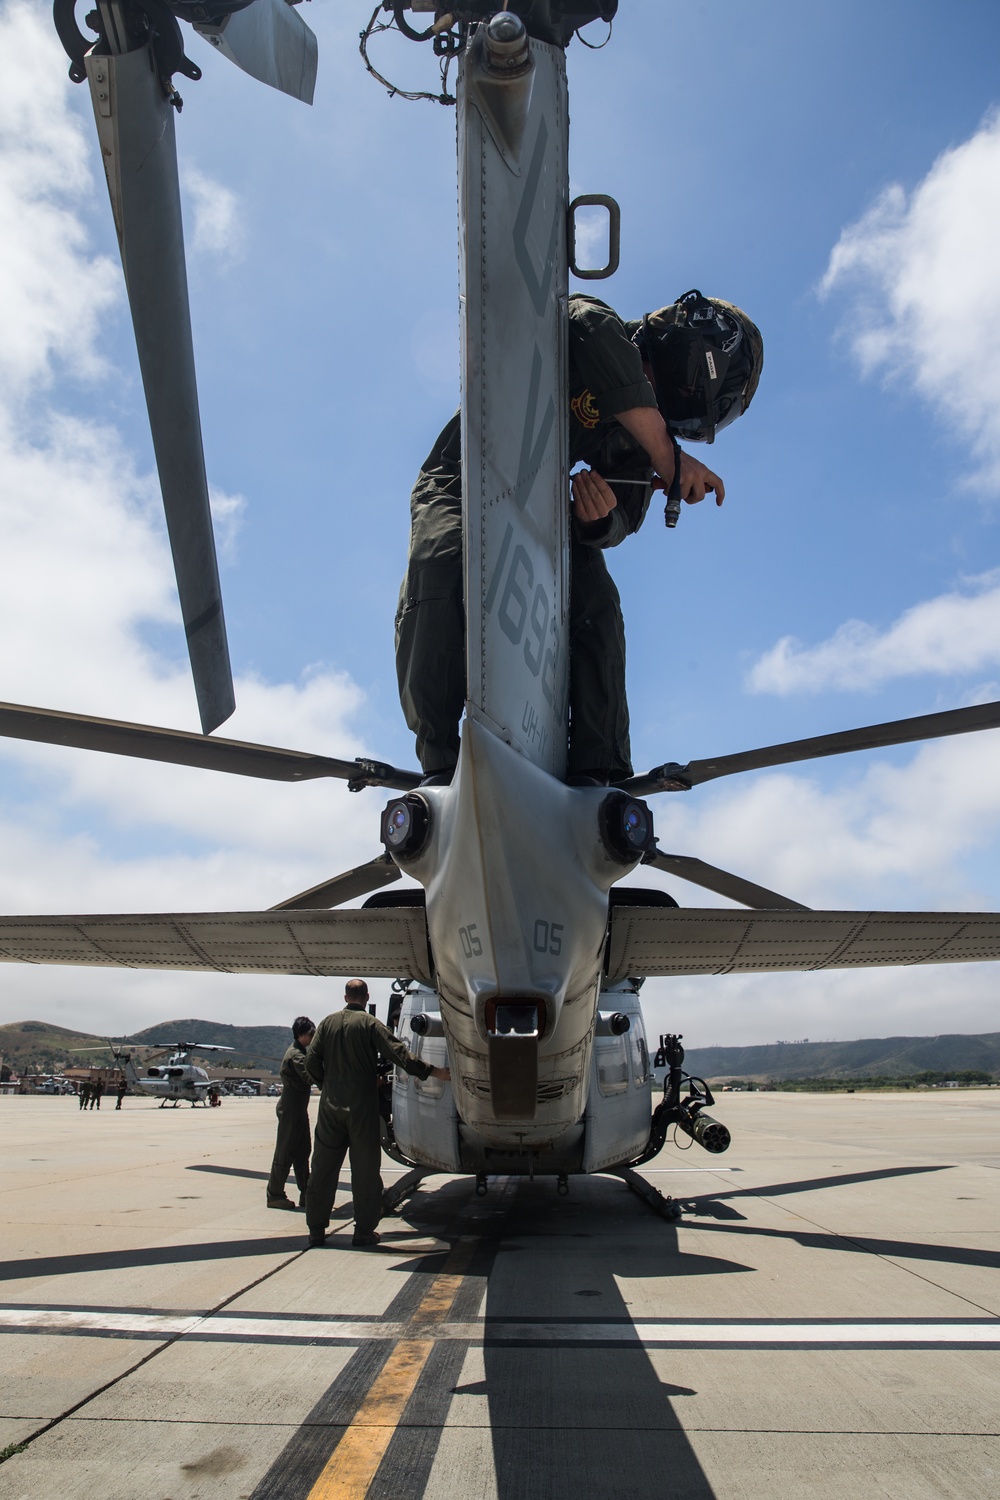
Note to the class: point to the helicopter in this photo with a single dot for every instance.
(519, 953)
(175, 1081)
(178, 1079)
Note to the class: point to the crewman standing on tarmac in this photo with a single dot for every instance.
(293, 1144)
(343, 1060)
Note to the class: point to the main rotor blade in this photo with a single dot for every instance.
(674, 778)
(711, 878)
(357, 882)
(270, 41)
(189, 1046)
(178, 748)
(135, 125)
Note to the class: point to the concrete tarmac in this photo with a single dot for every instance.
(823, 1321)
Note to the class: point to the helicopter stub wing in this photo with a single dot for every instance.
(388, 943)
(674, 941)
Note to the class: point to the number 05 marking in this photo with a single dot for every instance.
(469, 938)
(548, 937)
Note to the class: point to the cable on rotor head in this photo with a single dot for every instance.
(447, 44)
(404, 26)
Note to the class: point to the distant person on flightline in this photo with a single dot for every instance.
(344, 1061)
(121, 1091)
(293, 1144)
(96, 1092)
(84, 1094)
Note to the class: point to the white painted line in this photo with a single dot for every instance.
(58, 1321)
(262, 1329)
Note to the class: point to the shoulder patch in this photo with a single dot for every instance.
(584, 409)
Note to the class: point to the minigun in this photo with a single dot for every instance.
(687, 1113)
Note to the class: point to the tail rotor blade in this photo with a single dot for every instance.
(357, 882)
(711, 878)
(672, 777)
(135, 125)
(270, 41)
(178, 748)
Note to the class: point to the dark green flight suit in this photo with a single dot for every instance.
(293, 1142)
(343, 1059)
(605, 378)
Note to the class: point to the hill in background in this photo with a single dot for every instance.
(890, 1057)
(255, 1046)
(38, 1046)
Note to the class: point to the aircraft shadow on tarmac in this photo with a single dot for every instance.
(857, 1244)
(229, 1171)
(810, 1184)
(154, 1255)
(565, 1418)
(714, 1206)
(579, 1415)
(578, 1419)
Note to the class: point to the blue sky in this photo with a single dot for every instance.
(833, 169)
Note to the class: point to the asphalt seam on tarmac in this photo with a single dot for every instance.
(517, 1427)
(887, 1259)
(54, 1182)
(166, 1344)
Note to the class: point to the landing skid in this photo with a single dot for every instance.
(393, 1196)
(667, 1208)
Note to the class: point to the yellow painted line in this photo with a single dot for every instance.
(354, 1462)
(357, 1456)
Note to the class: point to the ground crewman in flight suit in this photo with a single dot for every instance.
(293, 1144)
(343, 1059)
(636, 388)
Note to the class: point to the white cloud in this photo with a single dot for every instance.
(228, 515)
(917, 837)
(52, 292)
(885, 837)
(86, 588)
(921, 271)
(217, 226)
(85, 574)
(955, 633)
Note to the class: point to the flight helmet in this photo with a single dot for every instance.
(706, 357)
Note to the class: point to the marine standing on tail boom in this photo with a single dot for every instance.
(686, 370)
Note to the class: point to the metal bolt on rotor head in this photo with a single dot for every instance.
(507, 43)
